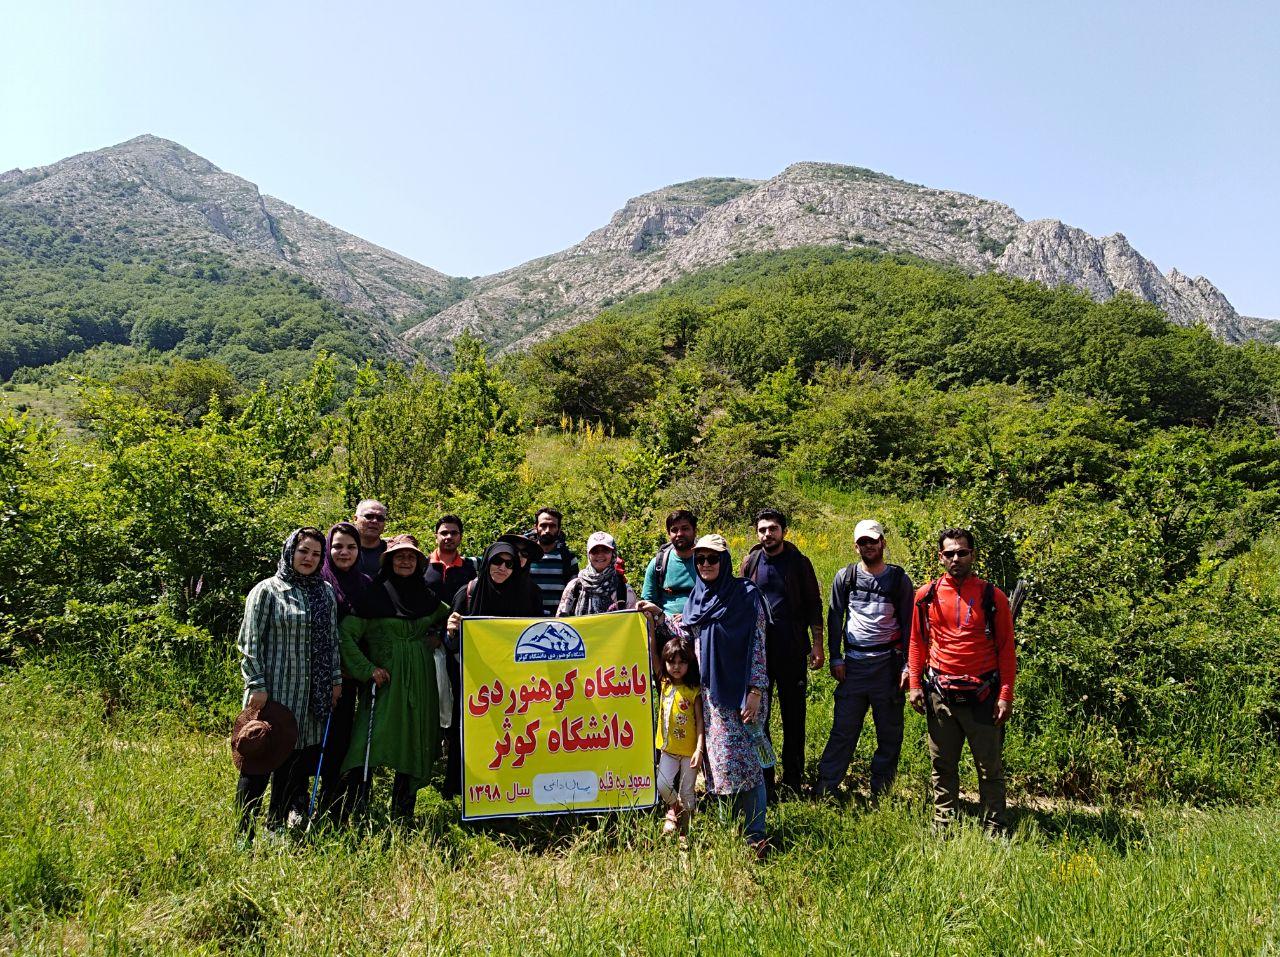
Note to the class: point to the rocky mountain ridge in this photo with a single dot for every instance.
(155, 194)
(661, 236)
(158, 195)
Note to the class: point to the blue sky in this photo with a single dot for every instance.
(472, 137)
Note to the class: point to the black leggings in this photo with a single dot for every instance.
(288, 784)
(404, 793)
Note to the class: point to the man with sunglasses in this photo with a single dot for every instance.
(371, 521)
(961, 670)
(869, 619)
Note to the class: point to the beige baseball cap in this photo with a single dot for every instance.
(868, 528)
(711, 543)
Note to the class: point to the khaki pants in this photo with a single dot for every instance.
(949, 727)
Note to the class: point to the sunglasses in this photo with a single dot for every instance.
(502, 562)
(706, 559)
(958, 553)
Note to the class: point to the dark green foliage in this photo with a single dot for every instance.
(61, 294)
(601, 378)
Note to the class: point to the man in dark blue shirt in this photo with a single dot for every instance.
(795, 633)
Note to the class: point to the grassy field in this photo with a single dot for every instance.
(116, 836)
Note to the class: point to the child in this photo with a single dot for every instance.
(680, 733)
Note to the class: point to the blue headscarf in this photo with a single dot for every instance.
(725, 614)
(320, 606)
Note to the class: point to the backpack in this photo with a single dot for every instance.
(851, 581)
(850, 584)
(660, 566)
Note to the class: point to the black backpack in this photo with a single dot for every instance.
(660, 566)
(988, 610)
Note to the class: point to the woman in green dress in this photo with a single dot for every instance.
(389, 642)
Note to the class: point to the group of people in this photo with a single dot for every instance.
(349, 650)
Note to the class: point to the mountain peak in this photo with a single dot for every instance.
(160, 196)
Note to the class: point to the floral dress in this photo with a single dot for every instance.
(732, 755)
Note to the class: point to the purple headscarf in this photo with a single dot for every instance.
(350, 585)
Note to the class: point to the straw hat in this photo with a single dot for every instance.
(262, 738)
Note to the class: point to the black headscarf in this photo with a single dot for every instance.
(399, 596)
(348, 586)
(726, 614)
(320, 605)
(517, 597)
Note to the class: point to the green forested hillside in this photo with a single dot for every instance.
(1128, 469)
(62, 293)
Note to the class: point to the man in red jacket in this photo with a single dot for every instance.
(962, 667)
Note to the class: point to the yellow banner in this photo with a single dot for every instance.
(556, 715)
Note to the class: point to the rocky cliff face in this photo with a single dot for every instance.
(619, 259)
(663, 235)
(155, 194)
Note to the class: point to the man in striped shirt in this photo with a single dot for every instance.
(869, 626)
(558, 565)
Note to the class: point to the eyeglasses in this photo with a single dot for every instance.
(502, 562)
(712, 559)
(958, 553)
(374, 518)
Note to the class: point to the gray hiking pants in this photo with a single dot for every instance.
(949, 727)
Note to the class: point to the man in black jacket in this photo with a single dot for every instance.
(786, 579)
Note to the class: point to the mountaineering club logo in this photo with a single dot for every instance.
(550, 641)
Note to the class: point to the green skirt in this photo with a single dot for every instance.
(406, 710)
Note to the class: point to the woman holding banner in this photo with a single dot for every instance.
(500, 590)
(389, 641)
(725, 618)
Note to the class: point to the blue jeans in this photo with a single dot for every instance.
(751, 805)
(851, 703)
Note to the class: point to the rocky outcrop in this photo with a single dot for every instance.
(617, 260)
(661, 236)
(1055, 254)
(155, 194)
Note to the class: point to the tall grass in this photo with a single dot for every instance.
(116, 836)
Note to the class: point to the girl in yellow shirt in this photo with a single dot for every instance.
(679, 738)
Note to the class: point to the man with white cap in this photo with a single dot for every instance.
(869, 628)
(599, 587)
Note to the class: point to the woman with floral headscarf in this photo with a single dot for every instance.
(289, 654)
(726, 618)
(599, 587)
(390, 641)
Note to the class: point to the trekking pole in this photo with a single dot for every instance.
(1018, 597)
(368, 741)
(315, 785)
